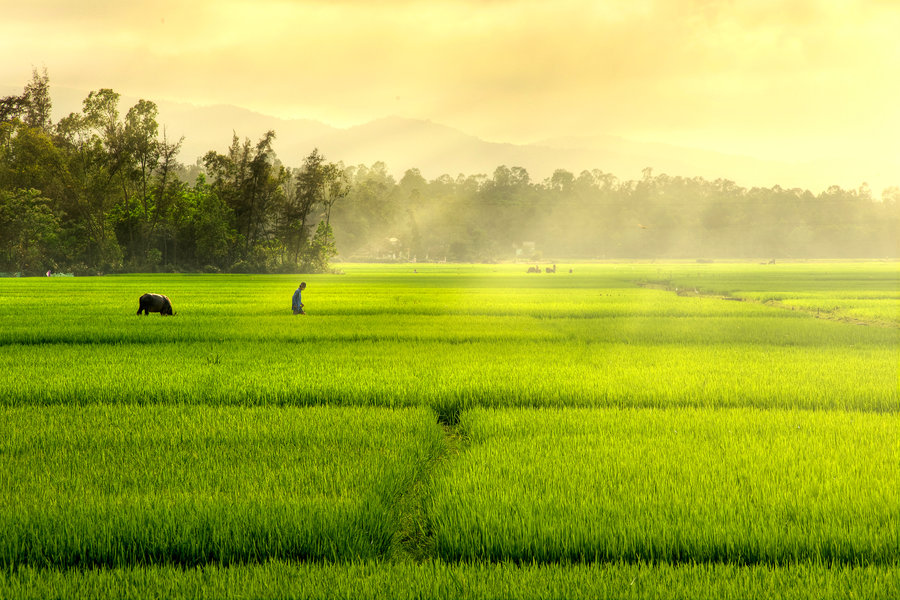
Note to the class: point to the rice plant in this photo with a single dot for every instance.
(444, 337)
(137, 485)
(691, 485)
(624, 430)
(451, 581)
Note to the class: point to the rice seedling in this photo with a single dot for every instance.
(858, 292)
(452, 375)
(738, 486)
(619, 440)
(446, 339)
(446, 581)
(131, 485)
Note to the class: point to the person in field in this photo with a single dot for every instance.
(296, 301)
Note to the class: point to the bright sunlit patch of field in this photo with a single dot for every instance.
(424, 425)
(445, 336)
(740, 486)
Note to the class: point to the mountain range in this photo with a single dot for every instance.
(436, 149)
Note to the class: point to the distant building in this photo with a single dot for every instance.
(525, 250)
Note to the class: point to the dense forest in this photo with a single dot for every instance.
(99, 192)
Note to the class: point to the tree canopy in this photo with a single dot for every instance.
(99, 192)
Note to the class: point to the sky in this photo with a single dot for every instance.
(788, 80)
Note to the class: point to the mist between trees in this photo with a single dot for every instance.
(102, 192)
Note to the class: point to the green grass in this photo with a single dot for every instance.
(853, 292)
(124, 485)
(438, 580)
(445, 337)
(739, 486)
(232, 448)
(453, 376)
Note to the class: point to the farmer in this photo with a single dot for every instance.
(296, 302)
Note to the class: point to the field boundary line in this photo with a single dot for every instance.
(414, 539)
(695, 292)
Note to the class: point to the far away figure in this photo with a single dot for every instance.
(296, 302)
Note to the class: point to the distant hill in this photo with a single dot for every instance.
(436, 149)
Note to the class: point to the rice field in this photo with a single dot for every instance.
(106, 485)
(846, 292)
(465, 581)
(739, 486)
(441, 431)
(443, 337)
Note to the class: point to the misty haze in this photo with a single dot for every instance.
(127, 203)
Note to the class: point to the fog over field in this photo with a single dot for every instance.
(469, 130)
(105, 189)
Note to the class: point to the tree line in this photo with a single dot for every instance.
(99, 191)
(594, 215)
(104, 192)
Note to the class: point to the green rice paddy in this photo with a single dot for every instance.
(117, 486)
(440, 431)
(740, 486)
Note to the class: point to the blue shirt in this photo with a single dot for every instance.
(295, 301)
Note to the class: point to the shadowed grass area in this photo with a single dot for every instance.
(130, 485)
(443, 581)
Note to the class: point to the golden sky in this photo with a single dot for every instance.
(784, 79)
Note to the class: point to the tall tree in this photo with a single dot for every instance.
(37, 101)
(84, 138)
(29, 230)
(252, 185)
(318, 184)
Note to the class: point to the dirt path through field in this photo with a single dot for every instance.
(815, 312)
(415, 538)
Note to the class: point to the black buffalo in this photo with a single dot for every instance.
(155, 303)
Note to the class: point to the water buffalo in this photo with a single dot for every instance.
(155, 303)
